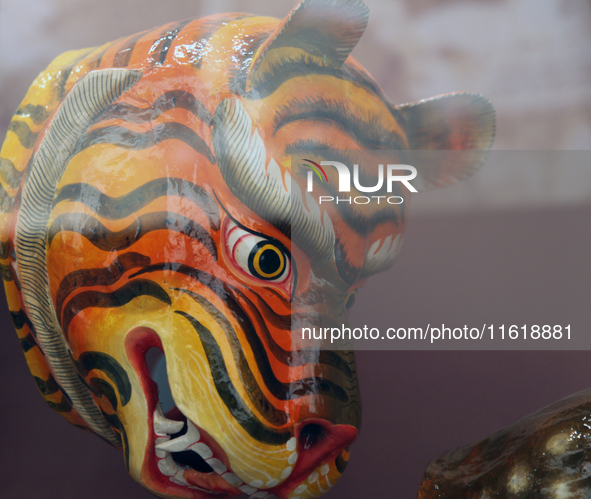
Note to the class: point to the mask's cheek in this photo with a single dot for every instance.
(117, 374)
(201, 366)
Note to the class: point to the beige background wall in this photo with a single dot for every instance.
(532, 58)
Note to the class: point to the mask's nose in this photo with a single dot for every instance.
(321, 441)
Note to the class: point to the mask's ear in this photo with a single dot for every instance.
(322, 32)
(460, 127)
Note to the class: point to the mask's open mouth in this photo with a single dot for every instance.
(187, 457)
(179, 454)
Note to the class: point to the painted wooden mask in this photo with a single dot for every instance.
(148, 197)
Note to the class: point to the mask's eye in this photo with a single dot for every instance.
(266, 261)
(260, 257)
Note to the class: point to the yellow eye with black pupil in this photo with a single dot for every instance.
(266, 261)
(258, 256)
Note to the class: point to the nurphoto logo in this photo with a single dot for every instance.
(394, 173)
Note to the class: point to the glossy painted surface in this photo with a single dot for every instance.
(149, 205)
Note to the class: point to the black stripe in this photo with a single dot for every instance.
(287, 68)
(128, 139)
(99, 361)
(357, 76)
(92, 65)
(256, 395)
(365, 130)
(63, 75)
(204, 37)
(116, 424)
(20, 319)
(28, 343)
(206, 30)
(99, 57)
(25, 136)
(124, 55)
(62, 406)
(6, 272)
(100, 387)
(287, 357)
(228, 393)
(6, 201)
(47, 387)
(123, 206)
(346, 269)
(9, 174)
(160, 47)
(300, 357)
(340, 462)
(167, 101)
(282, 391)
(285, 322)
(118, 298)
(238, 77)
(224, 290)
(37, 113)
(98, 276)
(5, 248)
(106, 240)
(293, 320)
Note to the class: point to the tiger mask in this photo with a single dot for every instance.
(147, 202)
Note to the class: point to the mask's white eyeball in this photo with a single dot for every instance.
(260, 257)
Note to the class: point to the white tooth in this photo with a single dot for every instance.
(176, 445)
(247, 489)
(286, 472)
(257, 484)
(272, 483)
(179, 479)
(232, 479)
(325, 469)
(293, 458)
(203, 450)
(260, 495)
(160, 453)
(192, 432)
(291, 444)
(164, 426)
(167, 466)
(183, 442)
(301, 489)
(217, 465)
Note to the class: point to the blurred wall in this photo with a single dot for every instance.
(532, 58)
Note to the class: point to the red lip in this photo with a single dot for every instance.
(335, 438)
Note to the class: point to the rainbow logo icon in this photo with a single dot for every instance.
(316, 168)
